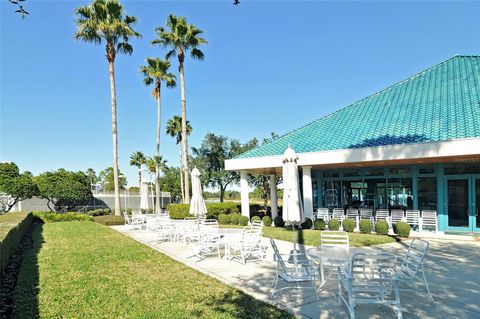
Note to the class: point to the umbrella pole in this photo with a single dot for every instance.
(293, 238)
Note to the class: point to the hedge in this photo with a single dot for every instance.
(181, 211)
(348, 225)
(365, 226)
(333, 224)
(12, 228)
(402, 229)
(53, 217)
(319, 224)
(381, 227)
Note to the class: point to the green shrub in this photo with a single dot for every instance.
(348, 225)
(365, 226)
(224, 219)
(279, 222)
(243, 221)
(381, 227)
(100, 212)
(109, 220)
(333, 224)
(214, 209)
(234, 218)
(319, 224)
(402, 229)
(53, 217)
(107, 211)
(13, 226)
(267, 221)
(307, 224)
(256, 218)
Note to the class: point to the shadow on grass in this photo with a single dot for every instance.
(25, 294)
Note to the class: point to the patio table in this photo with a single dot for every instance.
(228, 236)
(330, 254)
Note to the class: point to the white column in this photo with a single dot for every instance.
(245, 203)
(307, 192)
(273, 196)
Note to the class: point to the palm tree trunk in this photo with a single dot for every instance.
(114, 136)
(184, 134)
(140, 179)
(180, 153)
(157, 169)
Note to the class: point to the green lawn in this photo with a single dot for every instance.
(312, 237)
(87, 270)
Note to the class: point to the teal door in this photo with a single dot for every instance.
(463, 203)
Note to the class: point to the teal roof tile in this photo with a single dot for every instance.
(440, 103)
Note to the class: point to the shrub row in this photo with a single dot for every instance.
(233, 219)
(12, 228)
(181, 211)
(99, 212)
(52, 217)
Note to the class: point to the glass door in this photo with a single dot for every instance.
(475, 212)
(458, 204)
(463, 203)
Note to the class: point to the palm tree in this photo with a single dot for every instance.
(174, 129)
(138, 159)
(155, 72)
(181, 37)
(104, 20)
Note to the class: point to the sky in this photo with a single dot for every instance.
(270, 66)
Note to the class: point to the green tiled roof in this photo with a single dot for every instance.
(439, 104)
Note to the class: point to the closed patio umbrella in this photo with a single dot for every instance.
(292, 201)
(144, 204)
(197, 204)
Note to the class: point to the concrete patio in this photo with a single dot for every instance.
(453, 272)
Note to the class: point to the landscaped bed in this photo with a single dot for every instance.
(312, 237)
(87, 270)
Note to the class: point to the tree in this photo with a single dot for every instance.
(14, 187)
(138, 159)
(155, 72)
(181, 37)
(105, 21)
(170, 182)
(106, 178)
(211, 156)
(63, 189)
(174, 129)
(92, 176)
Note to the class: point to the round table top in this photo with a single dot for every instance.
(329, 253)
(231, 231)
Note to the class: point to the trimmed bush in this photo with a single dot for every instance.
(13, 226)
(279, 222)
(256, 218)
(365, 226)
(402, 229)
(243, 221)
(179, 214)
(224, 219)
(234, 218)
(267, 221)
(333, 224)
(307, 224)
(319, 224)
(100, 212)
(109, 220)
(53, 217)
(381, 227)
(348, 225)
(214, 209)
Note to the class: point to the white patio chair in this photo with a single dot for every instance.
(429, 220)
(352, 213)
(209, 240)
(322, 213)
(412, 267)
(397, 215)
(369, 279)
(366, 213)
(382, 214)
(249, 247)
(298, 270)
(257, 225)
(412, 217)
(134, 222)
(164, 232)
(338, 213)
(335, 239)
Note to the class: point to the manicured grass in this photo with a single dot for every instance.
(9, 221)
(87, 270)
(312, 237)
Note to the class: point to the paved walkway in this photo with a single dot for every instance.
(453, 271)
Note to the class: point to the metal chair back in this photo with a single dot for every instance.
(322, 213)
(397, 215)
(366, 213)
(352, 213)
(429, 219)
(338, 213)
(381, 214)
(412, 217)
(332, 238)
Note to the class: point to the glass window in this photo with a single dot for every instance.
(354, 193)
(332, 194)
(463, 168)
(374, 172)
(399, 193)
(330, 174)
(352, 173)
(426, 170)
(427, 193)
(399, 170)
(375, 196)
